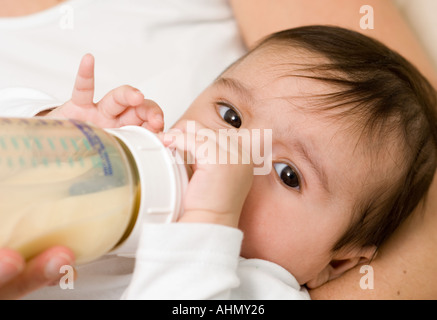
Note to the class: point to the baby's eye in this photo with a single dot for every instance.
(229, 115)
(288, 175)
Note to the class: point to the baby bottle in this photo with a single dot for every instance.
(65, 182)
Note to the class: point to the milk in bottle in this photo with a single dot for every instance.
(65, 182)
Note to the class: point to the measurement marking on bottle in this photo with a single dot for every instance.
(38, 143)
(51, 143)
(2, 143)
(96, 162)
(63, 143)
(82, 163)
(74, 144)
(23, 121)
(26, 142)
(86, 144)
(42, 122)
(14, 143)
(45, 162)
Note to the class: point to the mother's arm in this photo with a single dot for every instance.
(405, 265)
(258, 18)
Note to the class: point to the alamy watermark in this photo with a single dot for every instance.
(367, 21)
(67, 280)
(66, 21)
(367, 281)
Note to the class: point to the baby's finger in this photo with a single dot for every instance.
(83, 91)
(183, 143)
(152, 120)
(119, 99)
(183, 131)
(151, 114)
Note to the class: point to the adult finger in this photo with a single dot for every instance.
(39, 272)
(11, 264)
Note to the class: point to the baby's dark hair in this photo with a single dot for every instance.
(391, 103)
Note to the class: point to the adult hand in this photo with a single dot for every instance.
(19, 278)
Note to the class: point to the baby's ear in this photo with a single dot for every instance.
(342, 261)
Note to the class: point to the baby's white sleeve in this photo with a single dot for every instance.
(186, 261)
(24, 102)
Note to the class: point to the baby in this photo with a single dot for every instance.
(354, 140)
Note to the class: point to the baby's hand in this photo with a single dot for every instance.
(217, 189)
(122, 106)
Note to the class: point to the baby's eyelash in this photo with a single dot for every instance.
(225, 104)
(229, 114)
(288, 174)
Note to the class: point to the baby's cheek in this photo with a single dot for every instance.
(256, 221)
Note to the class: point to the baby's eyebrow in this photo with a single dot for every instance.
(315, 164)
(236, 86)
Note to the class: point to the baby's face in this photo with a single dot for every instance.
(295, 214)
